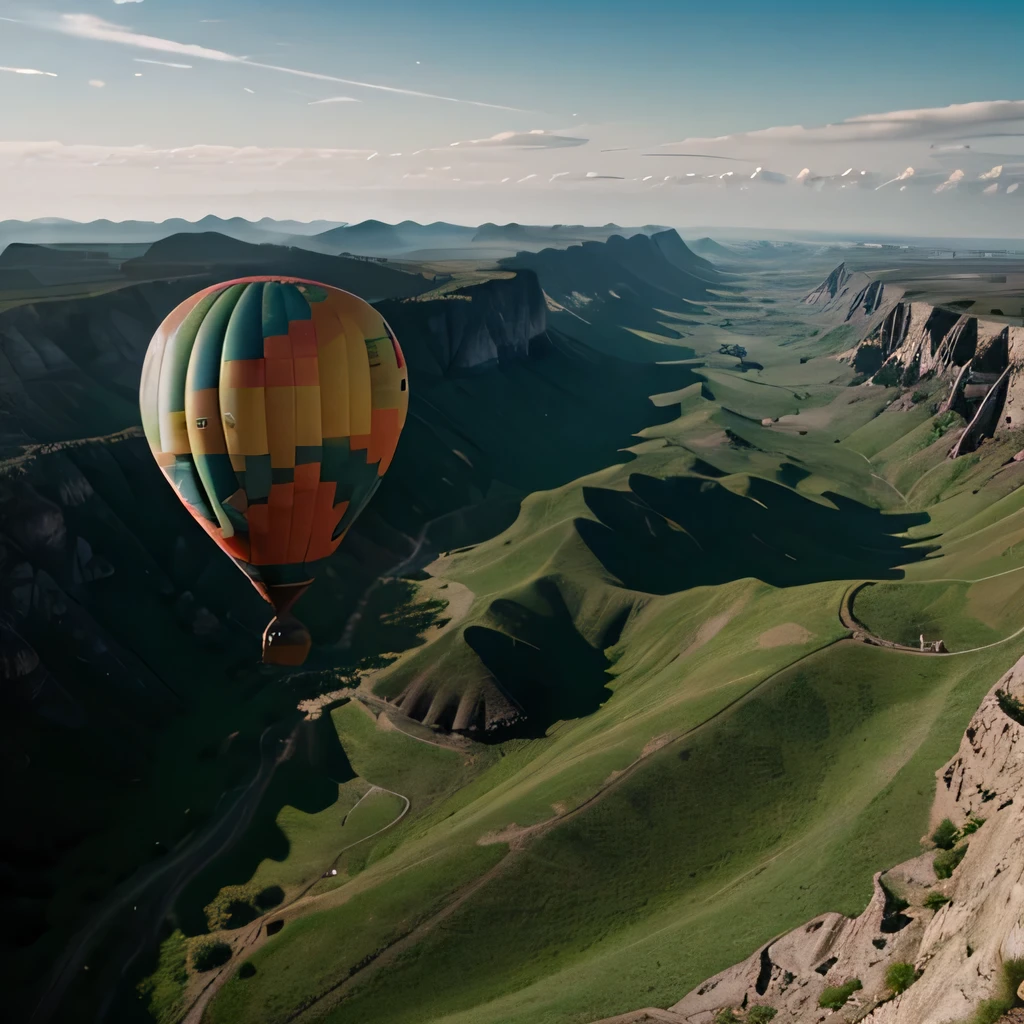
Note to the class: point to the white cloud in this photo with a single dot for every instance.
(162, 63)
(898, 124)
(537, 138)
(127, 1)
(333, 99)
(28, 71)
(245, 88)
(97, 83)
(88, 26)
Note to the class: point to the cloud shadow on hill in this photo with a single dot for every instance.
(663, 536)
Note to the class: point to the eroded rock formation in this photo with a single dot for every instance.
(957, 949)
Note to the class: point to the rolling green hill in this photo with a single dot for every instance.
(602, 732)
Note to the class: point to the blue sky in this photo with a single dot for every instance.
(610, 76)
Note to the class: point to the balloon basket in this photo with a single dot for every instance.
(286, 641)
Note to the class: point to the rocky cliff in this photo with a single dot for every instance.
(957, 933)
(851, 295)
(472, 329)
(982, 360)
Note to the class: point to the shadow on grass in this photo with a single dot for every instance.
(663, 536)
(541, 662)
(309, 782)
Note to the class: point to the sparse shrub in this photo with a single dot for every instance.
(945, 835)
(888, 376)
(941, 424)
(206, 954)
(737, 351)
(972, 826)
(991, 1010)
(726, 1016)
(918, 396)
(835, 998)
(761, 1014)
(247, 970)
(163, 991)
(935, 899)
(1010, 706)
(237, 905)
(948, 861)
(899, 977)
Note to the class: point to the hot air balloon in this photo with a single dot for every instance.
(274, 406)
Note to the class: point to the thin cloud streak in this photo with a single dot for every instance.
(28, 71)
(947, 121)
(162, 63)
(333, 99)
(88, 26)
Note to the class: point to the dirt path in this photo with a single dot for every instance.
(518, 840)
(179, 868)
(256, 935)
(863, 635)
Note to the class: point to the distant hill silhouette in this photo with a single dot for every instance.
(223, 257)
(375, 238)
(709, 247)
(57, 230)
(653, 269)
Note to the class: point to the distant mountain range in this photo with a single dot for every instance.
(51, 231)
(366, 238)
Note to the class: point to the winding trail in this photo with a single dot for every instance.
(862, 634)
(180, 867)
(257, 933)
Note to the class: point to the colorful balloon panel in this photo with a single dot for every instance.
(274, 407)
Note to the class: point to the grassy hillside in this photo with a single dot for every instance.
(717, 762)
(614, 735)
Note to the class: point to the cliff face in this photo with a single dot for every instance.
(71, 369)
(472, 329)
(958, 949)
(982, 359)
(851, 295)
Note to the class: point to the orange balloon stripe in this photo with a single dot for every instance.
(326, 516)
(281, 503)
(258, 518)
(384, 438)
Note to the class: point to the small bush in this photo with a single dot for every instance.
(972, 826)
(899, 977)
(948, 861)
(761, 1014)
(991, 1010)
(835, 998)
(934, 900)
(1010, 706)
(209, 953)
(888, 376)
(236, 905)
(247, 970)
(726, 1016)
(945, 835)
(941, 425)
(918, 396)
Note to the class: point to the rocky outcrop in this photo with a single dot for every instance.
(472, 329)
(851, 295)
(835, 283)
(957, 949)
(982, 359)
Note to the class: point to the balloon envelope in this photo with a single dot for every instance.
(274, 407)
